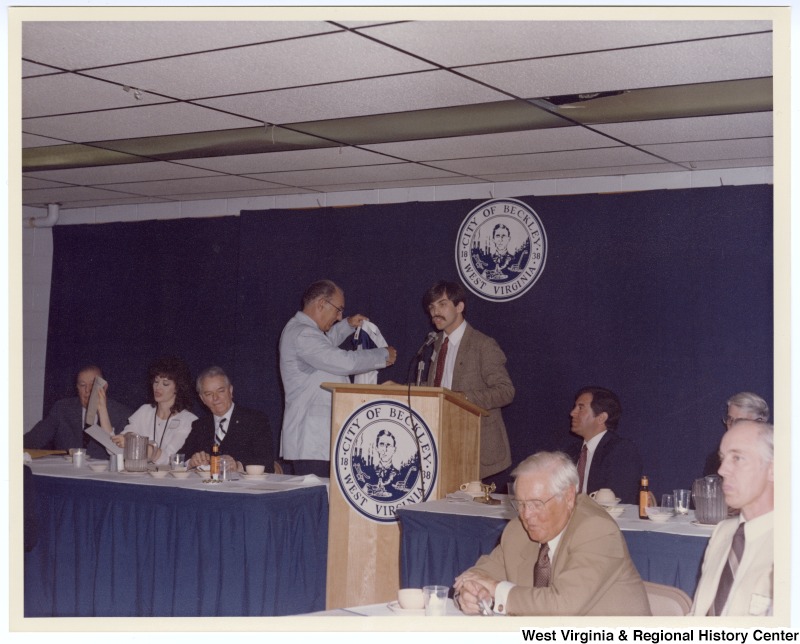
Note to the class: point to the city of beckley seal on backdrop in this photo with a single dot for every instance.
(378, 466)
(501, 249)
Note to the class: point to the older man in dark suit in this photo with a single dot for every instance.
(63, 427)
(244, 435)
(467, 361)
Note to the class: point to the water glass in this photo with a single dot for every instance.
(177, 462)
(668, 504)
(682, 498)
(435, 600)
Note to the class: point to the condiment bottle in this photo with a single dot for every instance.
(644, 497)
(214, 466)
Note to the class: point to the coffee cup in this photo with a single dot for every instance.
(410, 598)
(473, 487)
(254, 469)
(604, 495)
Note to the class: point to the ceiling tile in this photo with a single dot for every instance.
(65, 93)
(123, 173)
(148, 120)
(395, 171)
(483, 166)
(32, 69)
(722, 59)
(291, 160)
(34, 141)
(716, 164)
(68, 193)
(704, 128)
(472, 42)
(80, 45)
(201, 186)
(235, 194)
(566, 138)
(322, 59)
(584, 172)
(405, 92)
(34, 183)
(387, 184)
(708, 150)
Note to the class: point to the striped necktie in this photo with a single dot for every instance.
(729, 571)
(221, 431)
(582, 466)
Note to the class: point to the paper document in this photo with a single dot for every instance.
(104, 438)
(91, 408)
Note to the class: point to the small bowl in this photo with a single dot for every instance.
(158, 474)
(410, 598)
(99, 467)
(659, 516)
(255, 469)
(615, 511)
(180, 474)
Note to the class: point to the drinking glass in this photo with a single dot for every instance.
(682, 498)
(177, 462)
(668, 504)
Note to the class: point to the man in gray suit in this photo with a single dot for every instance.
(63, 427)
(473, 364)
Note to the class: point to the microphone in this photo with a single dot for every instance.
(428, 342)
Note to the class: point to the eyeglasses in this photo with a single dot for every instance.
(534, 504)
(730, 420)
(338, 308)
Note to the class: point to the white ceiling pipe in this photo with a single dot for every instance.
(45, 222)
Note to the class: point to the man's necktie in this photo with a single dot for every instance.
(582, 466)
(729, 571)
(221, 431)
(541, 571)
(437, 381)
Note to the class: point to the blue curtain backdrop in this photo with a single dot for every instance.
(663, 296)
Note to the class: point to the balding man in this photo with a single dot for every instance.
(738, 565)
(310, 355)
(564, 555)
(63, 427)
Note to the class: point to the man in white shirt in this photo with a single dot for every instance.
(310, 355)
(467, 361)
(737, 573)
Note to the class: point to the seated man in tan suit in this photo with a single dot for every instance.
(564, 556)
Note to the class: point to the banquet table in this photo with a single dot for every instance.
(130, 545)
(441, 539)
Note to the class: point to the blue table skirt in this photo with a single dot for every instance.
(436, 547)
(110, 549)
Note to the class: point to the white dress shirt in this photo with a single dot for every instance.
(591, 447)
(453, 340)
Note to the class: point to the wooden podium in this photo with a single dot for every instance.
(383, 457)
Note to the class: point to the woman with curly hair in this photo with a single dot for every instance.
(166, 419)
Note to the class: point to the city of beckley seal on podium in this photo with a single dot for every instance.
(377, 462)
(501, 249)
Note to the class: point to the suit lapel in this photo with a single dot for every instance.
(463, 350)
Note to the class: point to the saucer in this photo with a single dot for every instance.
(608, 504)
(254, 476)
(702, 525)
(396, 608)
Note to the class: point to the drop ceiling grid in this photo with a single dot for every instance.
(83, 45)
(661, 65)
(148, 120)
(454, 44)
(291, 63)
(398, 93)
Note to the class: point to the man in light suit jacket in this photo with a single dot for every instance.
(472, 364)
(611, 460)
(63, 427)
(738, 580)
(245, 437)
(564, 555)
(310, 355)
